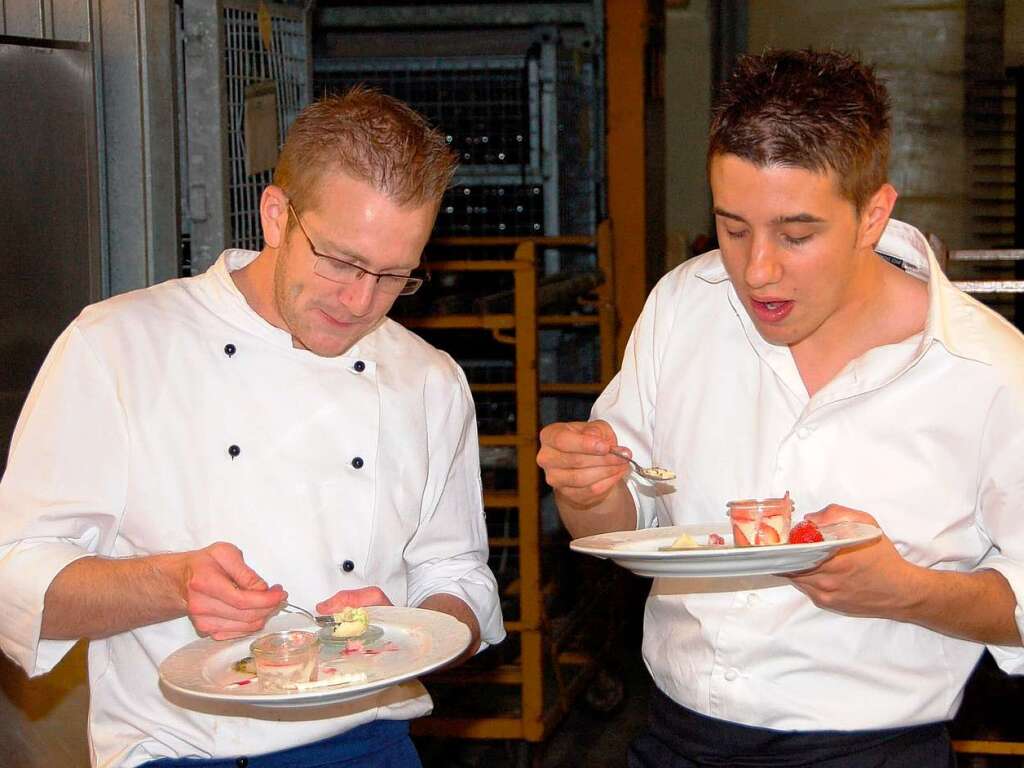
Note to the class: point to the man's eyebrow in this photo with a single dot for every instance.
(796, 218)
(800, 218)
(727, 215)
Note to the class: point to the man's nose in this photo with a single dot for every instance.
(763, 265)
(357, 296)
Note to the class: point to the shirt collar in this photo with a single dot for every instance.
(950, 310)
(951, 313)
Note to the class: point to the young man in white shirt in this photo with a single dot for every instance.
(822, 352)
(195, 454)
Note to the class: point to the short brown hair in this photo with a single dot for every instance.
(371, 137)
(804, 109)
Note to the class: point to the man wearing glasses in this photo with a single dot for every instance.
(195, 454)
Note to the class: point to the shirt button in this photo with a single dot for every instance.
(753, 599)
(803, 433)
(348, 566)
(229, 349)
(233, 451)
(360, 366)
(731, 674)
(357, 463)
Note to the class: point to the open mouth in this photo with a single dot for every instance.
(771, 311)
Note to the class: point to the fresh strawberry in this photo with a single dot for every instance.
(714, 540)
(805, 532)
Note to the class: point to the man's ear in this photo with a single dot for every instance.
(875, 215)
(274, 215)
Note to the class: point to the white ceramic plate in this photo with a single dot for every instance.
(639, 551)
(420, 641)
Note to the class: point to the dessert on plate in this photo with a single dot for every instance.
(350, 622)
(759, 522)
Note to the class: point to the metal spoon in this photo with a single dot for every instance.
(323, 621)
(654, 474)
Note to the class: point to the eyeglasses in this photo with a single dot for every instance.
(345, 272)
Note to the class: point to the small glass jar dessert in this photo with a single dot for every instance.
(759, 522)
(284, 659)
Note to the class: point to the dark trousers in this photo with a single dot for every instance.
(380, 744)
(677, 737)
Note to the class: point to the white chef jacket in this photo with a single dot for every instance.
(347, 472)
(926, 435)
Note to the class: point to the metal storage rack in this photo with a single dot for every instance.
(226, 47)
(530, 680)
(519, 96)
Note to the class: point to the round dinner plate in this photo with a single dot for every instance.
(413, 641)
(640, 551)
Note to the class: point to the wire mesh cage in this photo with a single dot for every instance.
(522, 126)
(483, 105)
(247, 62)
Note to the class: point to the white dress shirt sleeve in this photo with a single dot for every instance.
(448, 552)
(1000, 503)
(63, 493)
(628, 402)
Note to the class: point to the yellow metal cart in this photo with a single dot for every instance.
(532, 686)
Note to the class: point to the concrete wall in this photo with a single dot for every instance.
(918, 48)
(687, 112)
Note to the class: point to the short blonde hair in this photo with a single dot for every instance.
(371, 137)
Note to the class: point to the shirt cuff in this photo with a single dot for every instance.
(1010, 658)
(476, 589)
(26, 571)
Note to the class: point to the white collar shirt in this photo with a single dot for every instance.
(346, 472)
(926, 435)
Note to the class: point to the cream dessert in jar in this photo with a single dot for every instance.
(285, 659)
(758, 522)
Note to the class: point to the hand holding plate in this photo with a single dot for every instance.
(869, 580)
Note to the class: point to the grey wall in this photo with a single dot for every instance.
(135, 56)
(919, 49)
(687, 111)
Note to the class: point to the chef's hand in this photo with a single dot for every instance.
(576, 462)
(224, 597)
(352, 598)
(869, 580)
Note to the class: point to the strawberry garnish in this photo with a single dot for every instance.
(805, 532)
